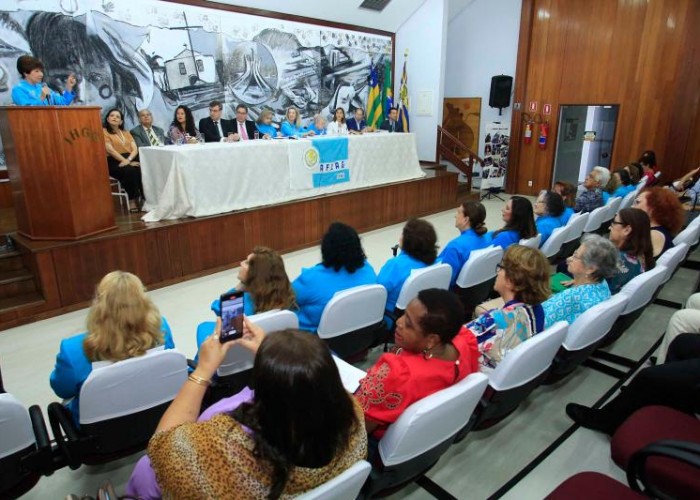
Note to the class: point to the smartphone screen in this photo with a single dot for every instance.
(231, 316)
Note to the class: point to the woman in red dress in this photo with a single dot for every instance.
(433, 351)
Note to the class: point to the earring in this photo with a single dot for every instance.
(427, 353)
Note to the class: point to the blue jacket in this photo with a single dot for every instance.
(504, 239)
(73, 367)
(457, 251)
(291, 130)
(266, 129)
(316, 285)
(566, 215)
(546, 224)
(393, 275)
(353, 125)
(26, 94)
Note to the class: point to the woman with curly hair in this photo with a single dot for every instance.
(343, 266)
(122, 323)
(470, 221)
(263, 280)
(182, 129)
(522, 282)
(520, 223)
(666, 216)
(418, 250)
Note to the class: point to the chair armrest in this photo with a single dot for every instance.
(41, 460)
(65, 433)
(41, 434)
(681, 451)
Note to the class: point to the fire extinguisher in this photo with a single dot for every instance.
(544, 132)
(528, 133)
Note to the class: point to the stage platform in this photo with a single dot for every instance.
(41, 279)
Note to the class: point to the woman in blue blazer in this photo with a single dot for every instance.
(549, 208)
(520, 223)
(343, 266)
(122, 323)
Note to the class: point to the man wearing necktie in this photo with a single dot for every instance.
(391, 124)
(147, 134)
(215, 128)
(245, 129)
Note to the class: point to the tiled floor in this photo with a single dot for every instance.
(475, 468)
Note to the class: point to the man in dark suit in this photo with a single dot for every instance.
(147, 134)
(391, 124)
(357, 123)
(215, 128)
(244, 129)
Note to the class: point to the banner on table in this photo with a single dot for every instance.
(318, 162)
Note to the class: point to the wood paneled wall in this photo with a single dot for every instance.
(641, 54)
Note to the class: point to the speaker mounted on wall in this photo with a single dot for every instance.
(501, 86)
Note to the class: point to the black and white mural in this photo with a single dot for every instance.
(158, 55)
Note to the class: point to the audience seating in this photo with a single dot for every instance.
(661, 425)
(476, 278)
(640, 291)
(595, 219)
(343, 486)
(234, 372)
(423, 432)
(120, 407)
(584, 335)
(672, 259)
(573, 237)
(516, 376)
(611, 209)
(690, 235)
(679, 455)
(25, 448)
(435, 276)
(118, 191)
(353, 320)
(628, 200)
(533, 242)
(552, 246)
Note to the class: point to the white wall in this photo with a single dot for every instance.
(482, 41)
(424, 34)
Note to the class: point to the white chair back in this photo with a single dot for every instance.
(239, 359)
(641, 184)
(344, 486)
(15, 426)
(529, 359)
(533, 242)
(351, 310)
(132, 385)
(672, 258)
(595, 323)
(690, 235)
(480, 267)
(613, 206)
(435, 276)
(628, 199)
(595, 219)
(576, 224)
(553, 244)
(431, 420)
(640, 289)
(657, 174)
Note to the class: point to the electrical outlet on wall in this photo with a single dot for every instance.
(529, 184)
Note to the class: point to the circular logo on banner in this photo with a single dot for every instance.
(311, 157)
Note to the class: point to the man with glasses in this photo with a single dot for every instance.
(146, 134)
(244, 128)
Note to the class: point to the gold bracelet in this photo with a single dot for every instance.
(199, 380)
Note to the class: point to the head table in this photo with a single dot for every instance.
(206, 179)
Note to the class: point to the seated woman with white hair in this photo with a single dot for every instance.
(590, 265)
(592, 195)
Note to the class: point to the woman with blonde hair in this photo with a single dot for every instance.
(264, 125)
(291, 125)
(122, 323)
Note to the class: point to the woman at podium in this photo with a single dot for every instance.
(30, 91)
(122, 156)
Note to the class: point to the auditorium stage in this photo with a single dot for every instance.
(46, 278)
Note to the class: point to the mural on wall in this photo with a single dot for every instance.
(461, 117)
(158, 55)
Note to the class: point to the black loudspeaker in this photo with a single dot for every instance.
(500, 91)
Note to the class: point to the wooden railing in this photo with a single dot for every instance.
(448, 146)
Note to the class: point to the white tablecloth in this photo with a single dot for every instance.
(214, 178)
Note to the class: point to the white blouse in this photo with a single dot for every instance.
(335, 128)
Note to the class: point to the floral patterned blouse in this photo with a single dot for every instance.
(572, 302)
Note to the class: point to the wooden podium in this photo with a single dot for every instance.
(57, 165)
